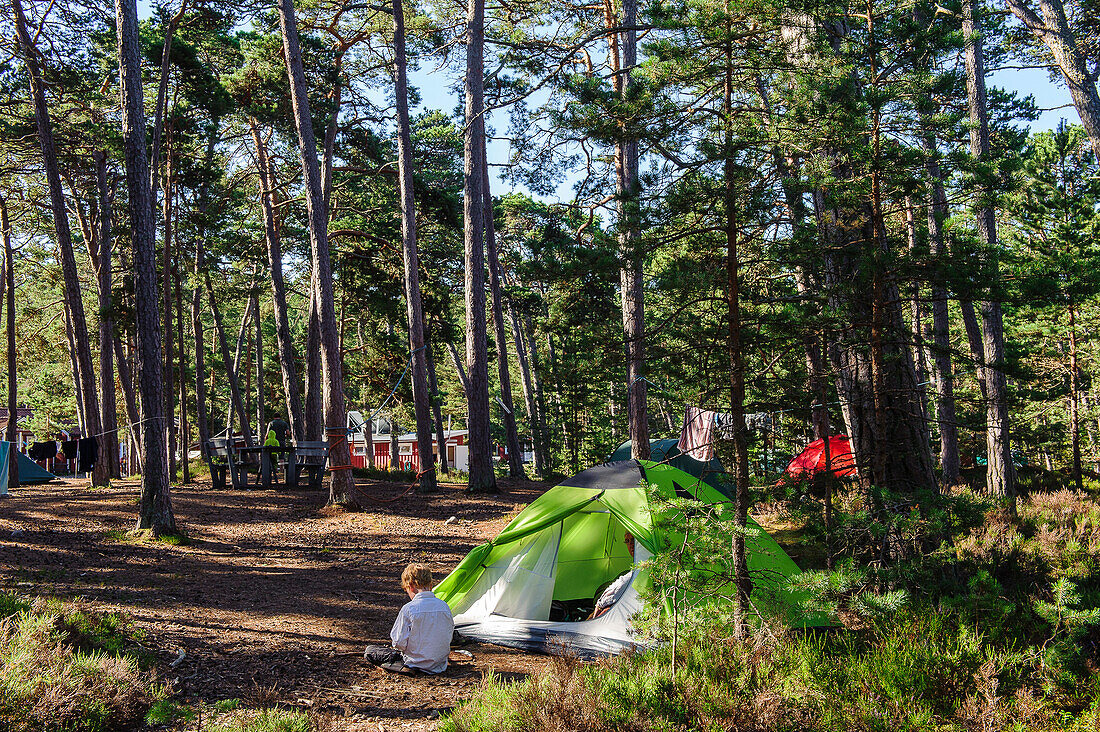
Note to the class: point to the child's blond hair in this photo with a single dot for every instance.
(418, 576)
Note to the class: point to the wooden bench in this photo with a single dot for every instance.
(222, 456)
(311, 456)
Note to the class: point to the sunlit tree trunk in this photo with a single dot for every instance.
(12, 435)
(417, 345)
(1000, 472)
(437, 414)
(342, 484)
(72, 291)
(201, 414)
(108, 400)
(288, 361)
(624, 56)
(237, 403)
(534, 418)
(511, 436)
(166, 275)
(482, 477)
(314, 412)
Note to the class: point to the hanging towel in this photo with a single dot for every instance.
(42, 451)
(696, 437)
(69, 448)
(89, 454)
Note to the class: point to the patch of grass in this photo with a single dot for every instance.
(69, 669)
(226, 705)
(166, 711)
(265, 720)
(145, 536)
(12, 604)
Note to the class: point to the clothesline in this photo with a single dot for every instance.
(376, 412)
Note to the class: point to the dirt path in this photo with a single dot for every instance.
(274, 598)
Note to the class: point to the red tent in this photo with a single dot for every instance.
(812, 459)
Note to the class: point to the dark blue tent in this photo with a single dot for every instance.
(31, 473)
(667, 451)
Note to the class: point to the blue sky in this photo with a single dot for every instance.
(1048, 95)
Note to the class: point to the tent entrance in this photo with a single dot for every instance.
(553, 572)
(593, 553)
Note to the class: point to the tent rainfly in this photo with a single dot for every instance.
(811, 461)
(567, 545)
(667, 451)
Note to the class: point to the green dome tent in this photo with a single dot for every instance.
(568, 544)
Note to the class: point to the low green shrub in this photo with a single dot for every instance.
(917, 672)
(69, 669)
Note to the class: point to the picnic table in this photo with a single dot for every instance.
(269, 458)
(233, 461)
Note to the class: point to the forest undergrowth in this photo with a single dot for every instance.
(66, 667)
(976, 620)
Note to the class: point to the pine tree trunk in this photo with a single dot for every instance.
(166, 275)
(534, 418)
(288, 360)
(395, 453)
(876, 383)
(156, 503)
(72, 291)
(437, 415)
(237, 403)
(631, 274)
(339, 458)
(426, 482)
(314, 406)
(946, 414)
(12, 435)
(916, 317)
(74, 369)
(1000, 472)
(460, 370)
(244, 349)
(108, 400)
(201, 414)
(1074, 401)
(515, 452)
(740, 462)
(482, 477)
(181, 378)
(162, 101)
(133, 411)
(545, 423)
(261, 414)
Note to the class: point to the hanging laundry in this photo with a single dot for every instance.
(42, 451)
(723, 426)
(696, 437)
(89, 454)
(70, 448)
(760, 422)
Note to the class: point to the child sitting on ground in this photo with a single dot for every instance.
(422, 633)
